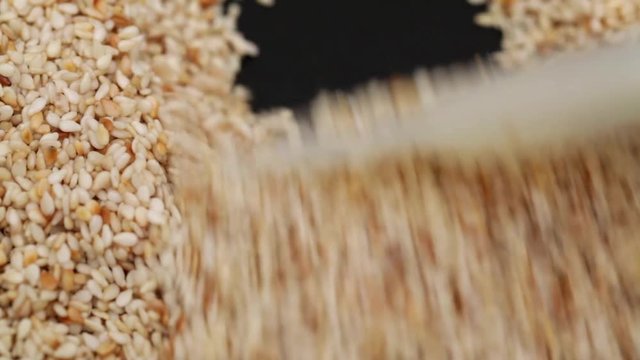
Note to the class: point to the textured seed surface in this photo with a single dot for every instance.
(87, 91)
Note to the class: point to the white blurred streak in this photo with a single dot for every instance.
(475, 110)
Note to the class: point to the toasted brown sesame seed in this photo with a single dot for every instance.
(48, 281)
(5, 81)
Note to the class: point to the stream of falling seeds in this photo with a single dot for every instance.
(421, 256)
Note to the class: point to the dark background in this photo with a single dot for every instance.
(312, 45)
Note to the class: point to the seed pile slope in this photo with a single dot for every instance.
(533, 28)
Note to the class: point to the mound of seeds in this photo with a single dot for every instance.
(532, 28)
(86, 268)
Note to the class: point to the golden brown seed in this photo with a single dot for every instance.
(67, 280)
(106, 348)
(50, 156)
(29, 258)
(75, 315)
(36, 121)
(48, 281)
(3, 257)
(83, 213)
(27, 136)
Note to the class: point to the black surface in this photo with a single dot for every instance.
(310, 45)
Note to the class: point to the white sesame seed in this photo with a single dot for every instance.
(66, 351)
(104, 62)
(26, 82)
(85, 83)
(127, 239)
(24, 326)
(126, 211)
(37, 232)
(83, 296)
(102, 91)
(64, 254)
(94, 288)
(53, 119)
(99, 278)
(53, 48)
(141, 216)
(99, 34)
(128, 44)
(128, 32)
(6, 112)
(56, 177)
(111, 292)
(118, 276)
(95, 225)
(155, 217)
(101, 181)
(37, 105)
(156, 204)
(71, 95)
(69, 126)
(143, 194)
(84, 179)
(119, 337)
(13, 276)
(46, 204)
(106, 235)
(101, 137)
(68, 8)
(121, 80)
(32, 274)
(91, 341)
(7, 69)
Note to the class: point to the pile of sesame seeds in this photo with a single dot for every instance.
(86, 201)
(535, 28)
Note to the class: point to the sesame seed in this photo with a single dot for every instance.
(90, 341)
(64, 254)
(101, 181)
(53, 119)
(24, 326)
(7, 70)
(94, 289)
(32, 274)
(37, 106)
(46, 204)
(104, 62)
(69, 126)
(66, 351)
(111, 293)
(56, 177)
(53, 48)
(125, 239)
(71, 95)
(6, 112)
(13, 276)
